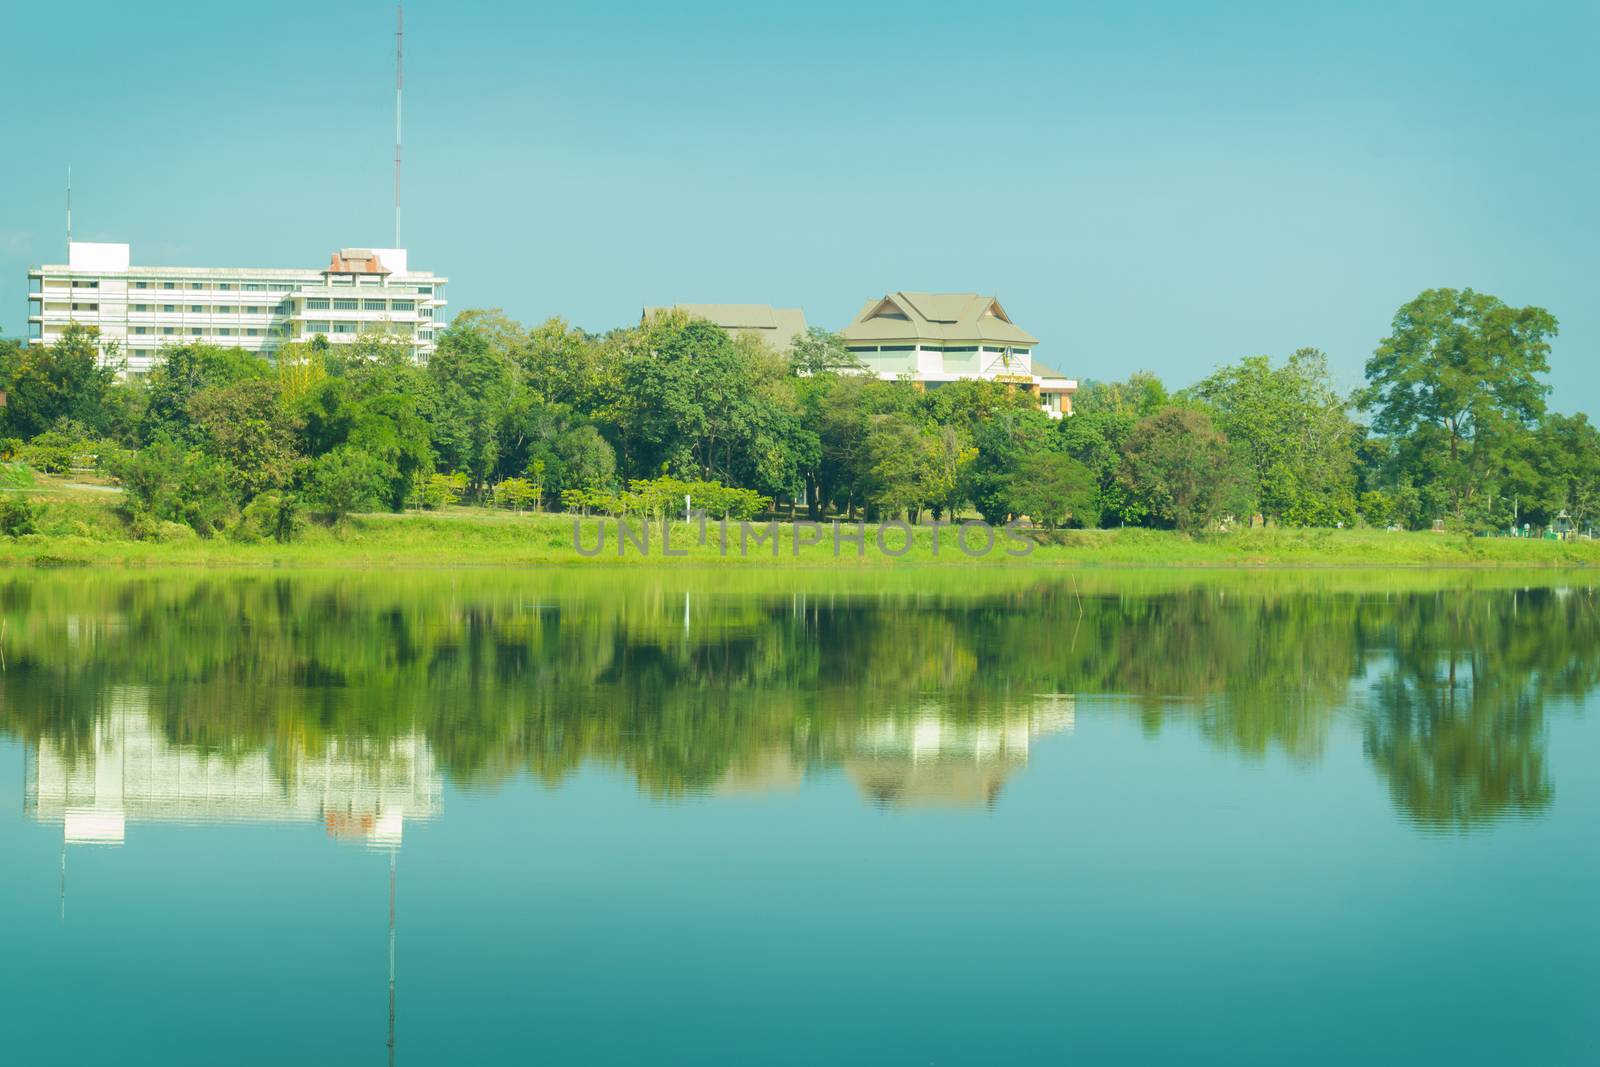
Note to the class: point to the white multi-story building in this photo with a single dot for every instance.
(142, 309)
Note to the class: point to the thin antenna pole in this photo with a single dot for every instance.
(69, 209)
(399, 84)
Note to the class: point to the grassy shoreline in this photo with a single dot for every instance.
(86, 533)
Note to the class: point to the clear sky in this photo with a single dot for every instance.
(1144, 186)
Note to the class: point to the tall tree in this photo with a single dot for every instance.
(473, 379)
(1459, 375)
(1293, 428)
(68, 379)
(1184, 472)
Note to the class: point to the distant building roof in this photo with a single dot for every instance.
(356, 261)
(903, 316)
(776, 326)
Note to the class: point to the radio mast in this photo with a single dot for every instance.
(399, 84)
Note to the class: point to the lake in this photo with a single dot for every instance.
(896, 815)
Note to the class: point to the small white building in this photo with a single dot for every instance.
(935, 338)
(142, 309)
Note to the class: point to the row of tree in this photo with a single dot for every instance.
(220, 440)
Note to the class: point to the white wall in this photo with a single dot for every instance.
(87, 255)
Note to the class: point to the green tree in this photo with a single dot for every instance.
(1457, 376)
(904, 464)
(1292, 427)
(164, 482)
(69, 379)
(17, 515)
(473, 378)
(245, 426)
(347, 480)
(1003, 445)
(516, 494)
(1052, 488)
(820, 351)
(1183, 471)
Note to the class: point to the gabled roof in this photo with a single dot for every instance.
(356, 261)
(903, 316)
(776, 326)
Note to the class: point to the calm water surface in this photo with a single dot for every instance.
(892, 818)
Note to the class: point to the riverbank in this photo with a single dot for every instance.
(80, 532)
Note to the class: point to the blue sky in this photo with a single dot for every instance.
(1144, 186)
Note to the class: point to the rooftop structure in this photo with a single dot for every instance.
(936, 338)
(141, 309)
(776, 326)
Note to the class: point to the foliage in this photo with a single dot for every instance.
(1183, 471)
(820, 351)
(620, 422)
(17, 515)
(64, 380)
(346, 480)
(276, 516)
(1003, 444)
(516, 493)
(167, 483)
(1052, 488)
(1456, 380)
(439, 490)
(1292, 428)
(55, 451)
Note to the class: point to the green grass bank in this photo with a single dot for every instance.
(82, 529)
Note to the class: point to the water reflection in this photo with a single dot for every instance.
(129, 769)
(346, 700)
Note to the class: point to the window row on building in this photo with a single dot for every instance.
(140, 308)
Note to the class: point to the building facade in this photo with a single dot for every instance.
(141, 309)
(935, 338)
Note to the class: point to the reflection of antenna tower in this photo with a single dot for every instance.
(391, 955)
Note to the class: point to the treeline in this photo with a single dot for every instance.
(552, 417)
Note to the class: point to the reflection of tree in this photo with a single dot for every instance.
(1456, 722)
(1458, 754)
(531, 674)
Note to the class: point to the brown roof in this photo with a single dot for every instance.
(355, 261)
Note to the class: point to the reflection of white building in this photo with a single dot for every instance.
(927, 759)
(129, 771)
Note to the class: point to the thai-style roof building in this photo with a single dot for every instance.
(935, 338)
(775, 326)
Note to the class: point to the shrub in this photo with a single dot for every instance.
(516, 494)
(438, 490)
(346, 480)
(17, 515)
(279, 516)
